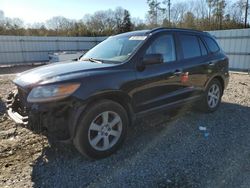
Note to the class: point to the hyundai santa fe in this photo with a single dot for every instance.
(92, 101)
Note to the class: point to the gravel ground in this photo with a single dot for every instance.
(160, 151)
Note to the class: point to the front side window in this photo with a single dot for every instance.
(163, 45)
(115, 49)
(190, 46)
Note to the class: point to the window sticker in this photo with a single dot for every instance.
(138, 38)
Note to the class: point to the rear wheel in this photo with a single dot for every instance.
(212, 97)
(101, 130)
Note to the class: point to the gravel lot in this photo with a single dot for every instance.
(160, 151)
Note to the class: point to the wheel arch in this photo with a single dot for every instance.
(117, 96)
(220, 79)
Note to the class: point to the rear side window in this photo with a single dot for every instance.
(190, 46)
(203, 48)
(212, 45)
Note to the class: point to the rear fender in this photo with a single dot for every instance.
(223, 79)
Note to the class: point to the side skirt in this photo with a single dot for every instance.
(168, 106)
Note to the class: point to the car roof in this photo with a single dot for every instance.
(160, 29)
(133, 33)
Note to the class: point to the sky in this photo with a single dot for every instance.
(31, 11)
(35, 11)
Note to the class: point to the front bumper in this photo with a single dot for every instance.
(57, 119)
(19, 119)
(16, 116)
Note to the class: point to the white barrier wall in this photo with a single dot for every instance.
(236, 44)
(29, 49)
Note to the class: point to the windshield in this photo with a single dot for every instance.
(116, 49)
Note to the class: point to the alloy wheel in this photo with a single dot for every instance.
(213, 96)
(105, 130)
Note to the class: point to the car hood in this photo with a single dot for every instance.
(56, 71)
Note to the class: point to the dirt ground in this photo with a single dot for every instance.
(191, 149)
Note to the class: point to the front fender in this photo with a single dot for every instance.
(115, 95)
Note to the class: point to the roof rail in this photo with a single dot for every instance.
(170, 28)
(157, 28)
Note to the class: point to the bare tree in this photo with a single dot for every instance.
(210, 5)
(119, 15)
(197, 14)
(168, 10)
(178, 11)
(189, 20)
(156, 14)
(246, 13)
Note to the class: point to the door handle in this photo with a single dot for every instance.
(211, 63)
(178, 72)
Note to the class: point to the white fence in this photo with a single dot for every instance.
(28, 49)
(236, 44)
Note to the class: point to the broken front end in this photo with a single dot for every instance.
(57, 118)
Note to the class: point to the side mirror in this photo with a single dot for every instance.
(151, 59)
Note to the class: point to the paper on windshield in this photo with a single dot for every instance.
(138, 38)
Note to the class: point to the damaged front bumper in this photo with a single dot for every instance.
(17, 117)
(11, 103)
(57, 119)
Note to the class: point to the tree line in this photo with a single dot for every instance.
(198, 14)
(194, 14)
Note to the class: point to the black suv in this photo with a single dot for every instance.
(91, 101)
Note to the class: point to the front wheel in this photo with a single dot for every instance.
(101, 130)
(212, 96)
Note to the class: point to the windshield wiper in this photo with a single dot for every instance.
(92, 60)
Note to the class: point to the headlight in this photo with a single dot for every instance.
(51, 92)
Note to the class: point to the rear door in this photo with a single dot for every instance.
(194, 61)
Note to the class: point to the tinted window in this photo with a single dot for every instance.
(211, 44)
(203, 48)
(190, 46)
(163, 45)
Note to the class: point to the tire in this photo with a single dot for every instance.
(101, 129)
(207, 104)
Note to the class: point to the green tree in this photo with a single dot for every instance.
(154, 12)
(126, 24)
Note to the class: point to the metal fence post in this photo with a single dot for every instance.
(22, 49)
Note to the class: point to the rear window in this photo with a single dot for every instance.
(212, 45)
(190, 46)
